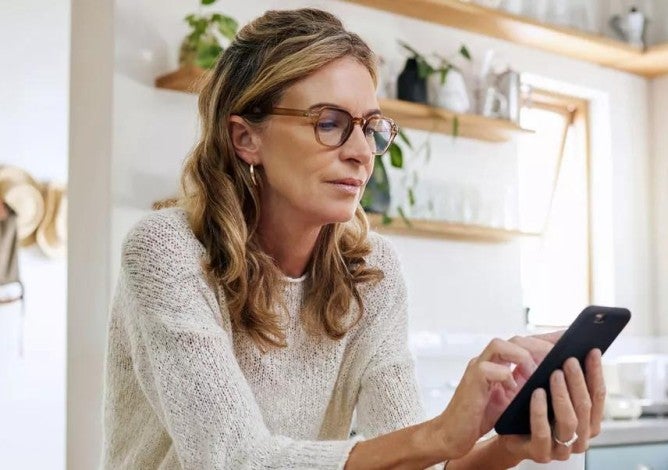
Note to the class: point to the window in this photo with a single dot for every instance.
(554, 200)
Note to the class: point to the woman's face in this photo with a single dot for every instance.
(306, 182)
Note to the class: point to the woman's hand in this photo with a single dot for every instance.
(484, 391)
(577, 400)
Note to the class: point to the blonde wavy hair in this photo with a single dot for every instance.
(223, 205)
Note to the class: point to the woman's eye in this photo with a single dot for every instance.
(327, 125)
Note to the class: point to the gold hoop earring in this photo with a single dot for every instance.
(252, 175)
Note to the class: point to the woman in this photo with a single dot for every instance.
(251, 322)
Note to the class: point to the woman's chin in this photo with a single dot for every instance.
(341, 216)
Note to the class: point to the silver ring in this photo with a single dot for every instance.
(567, 443)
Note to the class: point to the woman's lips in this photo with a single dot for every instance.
(347, 185)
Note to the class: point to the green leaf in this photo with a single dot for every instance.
(193, 39)
(198, 25)
(464, 52)
(396, 156)
(424, 68)
(377, 189)
(367, 198)
(208, 2)
(387, 220)
(227, 26)
(410, 49)
(455, 126)
(401, 212)
(380, 173)
(444, 74)
(411, 197)
(427, 151)
(207, 55)
(404, 138)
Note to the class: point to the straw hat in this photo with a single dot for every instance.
(22, 193)
(51, 234)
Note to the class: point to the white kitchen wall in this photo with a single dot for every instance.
(34, 88)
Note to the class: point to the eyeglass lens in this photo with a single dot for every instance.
(334, 127)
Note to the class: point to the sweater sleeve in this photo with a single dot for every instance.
(389, 397)
(184, 361)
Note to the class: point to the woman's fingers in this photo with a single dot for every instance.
(537, 347)
(492, 372)
(596, 386)
(552, 337)
(541, 434)
(501, 351)
(582, 403)
(565, 417)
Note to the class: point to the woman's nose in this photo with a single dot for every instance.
(357, 146)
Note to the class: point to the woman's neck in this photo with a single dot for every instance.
(289, 243)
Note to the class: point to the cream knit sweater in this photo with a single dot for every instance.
(182, 390)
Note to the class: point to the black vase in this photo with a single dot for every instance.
(410, 87)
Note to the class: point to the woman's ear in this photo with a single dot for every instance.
(245, 140)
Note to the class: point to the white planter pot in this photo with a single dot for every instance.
(451, 95)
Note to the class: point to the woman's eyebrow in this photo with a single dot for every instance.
(334, 105)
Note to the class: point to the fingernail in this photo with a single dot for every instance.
(573, 365)
(558, 376)
(529, 367)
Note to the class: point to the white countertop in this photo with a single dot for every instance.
(634, 431)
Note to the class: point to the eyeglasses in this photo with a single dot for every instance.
(333, 126)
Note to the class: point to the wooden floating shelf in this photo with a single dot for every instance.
(406, 114)
(427, 118)
(526, 31)
(445, 230)
(188, 79)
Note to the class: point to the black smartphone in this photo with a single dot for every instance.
(595, 327)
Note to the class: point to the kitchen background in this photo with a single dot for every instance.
(79, 103)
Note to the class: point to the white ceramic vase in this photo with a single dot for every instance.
(452, 94)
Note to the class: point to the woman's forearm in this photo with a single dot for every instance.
(413, 447)
(488, 455)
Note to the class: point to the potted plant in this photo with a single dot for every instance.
(446, 87)
(441, 92)
(200, 49)
(451, 96)
(208, 33)
(376, 197)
